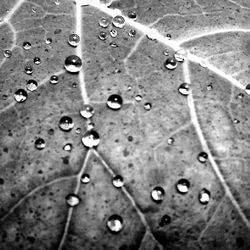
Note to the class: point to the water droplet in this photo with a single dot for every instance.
(73, 40)
(48, 40)
(54, 79)
(132, 33)
(168, 36)
(203, 63)
(157, 194)
(114, 102)
(102, 36)
(209, 87)
(180, 55)
(165, 52)
(236, 121)
(28, 70)
(240, 96)
(32, 85)
(103, 22)
(26, 45)
(182, 186)
(118, 181)
(184, 89)
(40, 143)
(118, 22)
(34, 9)
(204, 196)
(170, 63)
(90, 126)
(67, 147)
(113, 45)
(72, 200)
(132, 14)
(165, 220)
(21, 95)
(74, 85)
(115, 223)
(7, 53)
(129, 87)
(78, 130)
(87, 111)
(57, 2)
(138, 98)
(73, 64)
(202, 157)
(170, 141)
(4, 97)
(113, 33)
(66, 123)
(37, 60)
(153, 34)
(85, 179)
(91, 139)
(247, 89)
(147, 106)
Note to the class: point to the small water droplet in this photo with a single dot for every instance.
(183, 186)
(138, 98)
(204, 196)
(118, 22)
(170, 63)
(165, 220)
(21, 95)
(78, 130)
(157, 194)
(87, 111)
(115, 223)
(54, 79)
(34, 9)
(90, 126)
(203, 63)
(67, 147)
(202, 157)
(113, 45)
(236, 121)
(72, 200)
(170, 141)
(129, 87)
(40, 143)
(91, 139)
(85, 179)
(168, 36)
(74, 85)
(184, 89)
(57, 2)
(32, 85)
(209, 87)
(180, 55)
(48, 40)
(247, 89)
(103, 22)
(28, 70)
(26, 45)
(114, 102)
(165, 52)
(37, 60)
(66, 123)
(73, 40)
(4, 97)
(240, 96)
(153, 34)
(113, 33)
(118, 181)
(132, 14)
(102, 36)
(132, 33)
(7, 53)
(73, 64)
(147, 106)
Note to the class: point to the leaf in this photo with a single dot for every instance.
(135, 142)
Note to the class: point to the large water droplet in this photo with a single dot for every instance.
(165, 220)
(157, 194)
(66, 123)
(87, 111)
(247, 89)
(170, 63)
(40, 143)
(54, 79)
(103, 22)
(32, 85)
(184, 89)
(118, 22)
(183, 186)
(180, 55)
(102, 36)
(21, 95)
(73, 40)
(37, 60)
(73, 64)
(85, 179)
(26, 45)
(202, 157)
(113, 33)
(67, 147)
(28, 70)
(114, 102)
(91, 139)
(132, 14)
(204, 196)
(118, 181)
(72, 200)
(7, 53)
(115, 223)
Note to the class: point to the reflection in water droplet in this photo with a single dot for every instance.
(165, 220)
(118, 22)
(32, 85)
(170, 63)
(73, 40)
(26, 45)
(102, 36)
(28, 70)
(182, 186)
(147, 106)
(204, 196)
(247, 89)
(85, 179)
(132, 33)
(48, 40)
(54, 79)
(73, 64)
(114, 102)
(103, 22)
(37, 60)
(113, 45)
(180, 55)
(209, 87)
(118, 181)
(170, 141)
(184, 89)
(20, 95)
(66, 123)
(91, 139)
(157, 194)
(202, 157)
(138, 98)
(132, 14)
(39, 144)
(67, 147)
(72, 200)
(7, 53)
(113, 33)
(87, 111)
(115, 223)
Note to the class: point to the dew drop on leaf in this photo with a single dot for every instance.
(132, 14)
(118, 22)
(66, 123)
(247, 89)
(240, 96)
(165, 52)
(7, 53)
(147, 106)
(138, 98)
(170, 141)
(54, 79)
(73, 64)
(91, 139)
(37, 60)
(90, 125)
(40, 143)
(182, 186)
(32, 85)
(168, 36)
(48, 40)
(170, 63)
(87, 111)
(184, 89)
(165, 220)
(102, 36)
(209, 87)
(180, 55)
(26, 45)
(132, 33)
(115, 223)
(28, 70)
(118, 181)
(103, 22)
(67, 147)
(72, 200)
(85, 179)
(113, 33)
(21, 95)
(113, 45)
(157, 194)
(114, 102)
(202, 157)
(204, 196)
(74, 85)
(73, 40)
